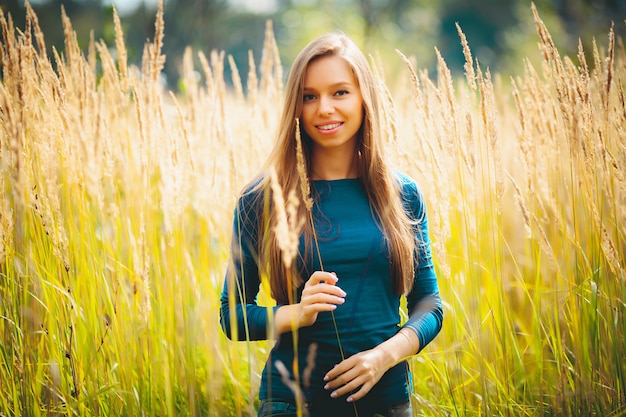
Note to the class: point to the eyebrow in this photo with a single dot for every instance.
(333, 85)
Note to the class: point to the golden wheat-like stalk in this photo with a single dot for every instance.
(305, 186)
(470, 75)
(287, 226)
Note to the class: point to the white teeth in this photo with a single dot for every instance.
(329, 127)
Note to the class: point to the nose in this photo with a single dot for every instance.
(326, 106)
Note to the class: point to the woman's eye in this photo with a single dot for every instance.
(308, 97)
(341, 93)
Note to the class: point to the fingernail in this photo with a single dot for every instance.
(326, 386)
(333, 395)
(343, 293)
(349, 399)
(326, 378)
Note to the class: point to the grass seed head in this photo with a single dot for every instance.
(305, 186)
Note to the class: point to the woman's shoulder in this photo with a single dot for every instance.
(254, 188)
(411, 194)
(251, 196)
(408, 186)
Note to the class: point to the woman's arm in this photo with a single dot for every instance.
(423, 301)
(241, 317)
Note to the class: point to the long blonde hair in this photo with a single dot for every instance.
(381, 185)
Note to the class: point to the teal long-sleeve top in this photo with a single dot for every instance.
(352, 245)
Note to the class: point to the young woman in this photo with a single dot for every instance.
(341, 349)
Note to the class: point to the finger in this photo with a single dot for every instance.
(322, 303)
(313, 310)
(341, 368)
(360, 393)
(323, 293)
(319, 277)
(340, 376)
(351, 388)
(322, 290)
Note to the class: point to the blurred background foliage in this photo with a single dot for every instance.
(501, 33)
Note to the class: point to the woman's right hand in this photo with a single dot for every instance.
(320, 293)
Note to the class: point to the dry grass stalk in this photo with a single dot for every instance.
(294, 387)
(122, 54)
(446, 94)
(271, 69)
(310, 364)
(582, 85)
(278, 68)
(92, 56)
(553, 59)
(417, 99)
(222, 130)
(413, 75)
(468, 145)
(143, 134)
(267, 79)
(185, 130)
(110, 80)
(141, 270)
(217, 64)
(288, 225)
(10, 148)
(388, 106)
(253, 82)
(31, 17)
(488, 111)
(190, 88)
(6, 227)
(208, 74)
(156, 59)
(47, 205)
(609, 67)
(305, 186)
(9, 51)
(519, 200)
(236, 79)
(72, 49)
(174, 161)
(470, 76)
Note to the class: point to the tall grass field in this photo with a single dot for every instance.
(116, 199)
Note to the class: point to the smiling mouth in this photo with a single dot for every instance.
(329, 126)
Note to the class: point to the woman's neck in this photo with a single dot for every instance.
(333, 164)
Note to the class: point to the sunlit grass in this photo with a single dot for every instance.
(116, 212)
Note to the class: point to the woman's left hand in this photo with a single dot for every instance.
(356, 374)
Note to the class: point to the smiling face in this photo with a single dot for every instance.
(332, 107)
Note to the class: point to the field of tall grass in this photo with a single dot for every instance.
(115, 216)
